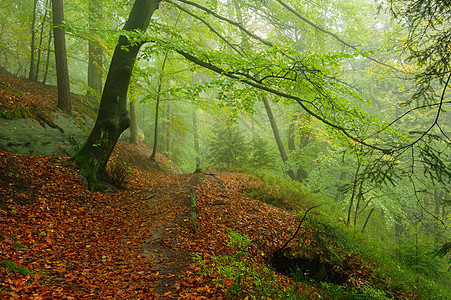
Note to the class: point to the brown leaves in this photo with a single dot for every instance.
(75, 243)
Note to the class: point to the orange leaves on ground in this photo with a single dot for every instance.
(72, 242)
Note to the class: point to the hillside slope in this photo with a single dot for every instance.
(149, 240)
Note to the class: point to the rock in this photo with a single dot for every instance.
(29, 137)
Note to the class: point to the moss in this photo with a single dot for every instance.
(9, 265)
(80, 124)
(87, 169)
(14, 112)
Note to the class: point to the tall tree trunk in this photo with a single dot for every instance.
(169, 129)
(275, 131)
(62, 73)
(113, 117)
(274, 127)
(196, 143)
(41, 36)
(155, 135)
(353, 195)
(95, 53)
(32, 73)
(133, 124)
(157, 108)
(47, 61)
(301, 174)
(133, 117)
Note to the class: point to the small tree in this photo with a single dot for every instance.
(228, 147)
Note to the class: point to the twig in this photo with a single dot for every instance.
(299, 227)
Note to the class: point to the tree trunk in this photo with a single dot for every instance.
(196, 143)
(62, 73)
(47, 61)
(157, 109)
(301, 174)
(155, 135)
(354, 187)
(275, 130)
(113, 117)
(367, 219)
(133, 124)
(95, 54)
(41, 36)
(32, 73)
(169, 129)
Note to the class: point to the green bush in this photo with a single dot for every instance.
(278, 191)
(243, 277)
(344, 292)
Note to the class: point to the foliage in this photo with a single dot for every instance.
(444, 251)
(416, 254)
(261, 156)
(342, 292)
(245, 278)
(228, 148)
(427, 41)
(277, 190)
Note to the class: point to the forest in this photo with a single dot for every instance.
(225, 149)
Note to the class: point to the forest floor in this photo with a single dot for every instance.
(59, 241)
(64, 242)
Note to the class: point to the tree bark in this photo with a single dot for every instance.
(62, 73)
(157, 108)
(275, 130)
(95, 64)
(169, 129)
(32, 73)
(113, 117)
(354, 187)
(47, 60)
(196, 143)
(41, 36)
(157, 112)
(274, 127)
(133, 124)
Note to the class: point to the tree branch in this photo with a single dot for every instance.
(336, 37)
(299, 227)
(254, 83)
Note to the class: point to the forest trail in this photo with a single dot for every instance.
(135, 244)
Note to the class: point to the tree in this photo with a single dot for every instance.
(41, 36)
(113, 117)
(33, 68)
(95, 53)
(62, 73)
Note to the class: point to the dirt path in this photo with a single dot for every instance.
(168, 208)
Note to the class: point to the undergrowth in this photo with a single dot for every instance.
(398, 267)
(244, 278)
